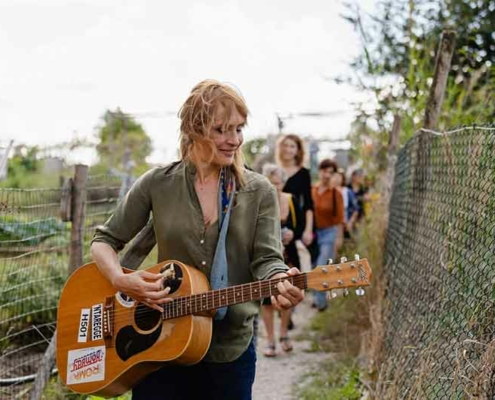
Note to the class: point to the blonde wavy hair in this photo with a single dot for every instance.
(197, 117)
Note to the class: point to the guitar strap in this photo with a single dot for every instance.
(292, 213)
(219, 278)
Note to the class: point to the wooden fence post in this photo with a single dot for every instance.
(433, 108)
(78, 207)
(442, 68)
(77, 202)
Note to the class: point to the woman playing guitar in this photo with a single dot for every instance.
(211, 213)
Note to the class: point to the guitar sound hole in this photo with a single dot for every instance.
(146, 318)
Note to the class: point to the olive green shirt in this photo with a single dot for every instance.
(254, 249)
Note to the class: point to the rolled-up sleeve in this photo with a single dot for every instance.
(267, 252)
(130, 217)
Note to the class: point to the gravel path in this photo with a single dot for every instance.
(276, 376)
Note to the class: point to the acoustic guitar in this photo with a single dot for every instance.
(107, 342)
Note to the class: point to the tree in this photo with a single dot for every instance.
(397, 62)
(122, 140)
(25, 170)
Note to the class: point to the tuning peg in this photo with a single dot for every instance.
(332, 295)
(360, 291)
(343, 260)
(330, 261)
(346, 293)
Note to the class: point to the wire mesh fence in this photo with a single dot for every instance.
(439, 341)
(34, 265)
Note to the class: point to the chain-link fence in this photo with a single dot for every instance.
(439, 340)
(34, 264)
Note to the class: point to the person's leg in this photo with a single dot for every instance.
(285, 316)
(267, 315)
(326, 244)
(326, 252)
(233, 380)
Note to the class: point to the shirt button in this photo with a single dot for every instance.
(203, 262)
(201, 241)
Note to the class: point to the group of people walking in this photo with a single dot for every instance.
(320, 216)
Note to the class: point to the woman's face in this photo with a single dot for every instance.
(227, 140)
(288, 150)
(277, 181)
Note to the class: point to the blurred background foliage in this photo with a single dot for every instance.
(396, 63)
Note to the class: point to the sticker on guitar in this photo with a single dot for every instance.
(82, 335)
(124, 300)
(86, 365)
(97, 325)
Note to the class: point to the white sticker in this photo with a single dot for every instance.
(84, 325)
(86, 365)
(97, 325)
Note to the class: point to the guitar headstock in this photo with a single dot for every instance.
(343, 275)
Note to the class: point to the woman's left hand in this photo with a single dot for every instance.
(289, 295)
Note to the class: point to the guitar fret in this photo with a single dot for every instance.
(219, 298)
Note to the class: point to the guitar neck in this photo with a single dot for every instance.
(219, 298)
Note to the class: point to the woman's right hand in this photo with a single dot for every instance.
(144, 287)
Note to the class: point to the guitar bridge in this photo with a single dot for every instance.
(108, 313)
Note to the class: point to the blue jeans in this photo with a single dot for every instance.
(326, 249)
(222, 381)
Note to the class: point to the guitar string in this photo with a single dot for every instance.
(180, 302)
(176, 312)
(175, 307)
(177, 303)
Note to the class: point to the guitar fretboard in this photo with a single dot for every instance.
(214, 299)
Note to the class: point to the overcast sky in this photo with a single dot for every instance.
(64, 62)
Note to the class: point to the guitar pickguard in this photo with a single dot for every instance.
(129, 342)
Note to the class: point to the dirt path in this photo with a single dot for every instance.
(276, 376)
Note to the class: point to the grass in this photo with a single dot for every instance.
(56, 390)
(340, 380)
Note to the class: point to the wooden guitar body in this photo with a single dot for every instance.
(107, 342)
